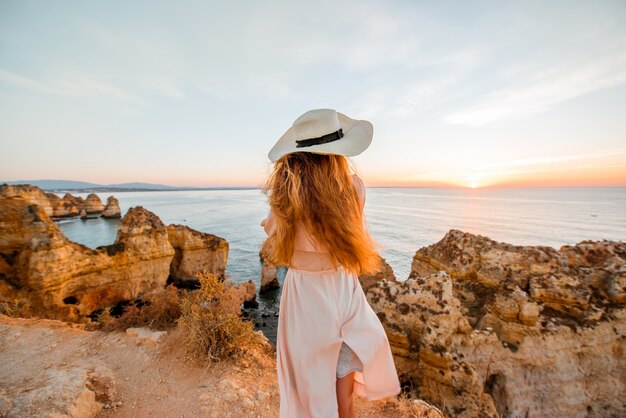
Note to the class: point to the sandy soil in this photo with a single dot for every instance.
(49, 367)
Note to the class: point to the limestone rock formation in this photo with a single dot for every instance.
(74, 200)
(93, 205)
(29, 193)
(269, 276)
(385, 273)
(194, 252)
(112, 208)
(65, 280)
(62, 208)
(509, 330)
(247, 293)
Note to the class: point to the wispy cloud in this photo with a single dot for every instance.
(74, 88)
(544, 90)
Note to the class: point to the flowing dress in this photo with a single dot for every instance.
(326, 328)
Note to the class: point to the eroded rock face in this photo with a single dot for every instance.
(247, 293)
(65, 280)
(62, 208)
(543, 331)
(112, 208)
(194, 252)
(269, 276)
(93, 205)
(29, 193)
(385, 273)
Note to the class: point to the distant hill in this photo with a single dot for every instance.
(72, 185)
(56, 184)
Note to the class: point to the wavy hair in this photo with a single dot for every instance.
(318, 190)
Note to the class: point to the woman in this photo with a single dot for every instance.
(330, 343)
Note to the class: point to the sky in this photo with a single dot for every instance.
(460, 94)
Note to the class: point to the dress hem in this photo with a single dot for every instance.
(380, 395)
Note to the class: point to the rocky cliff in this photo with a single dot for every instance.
(195, 251)
(30, 193)
(63, 279)
(63, 207)
(60, 279)
(511, 331)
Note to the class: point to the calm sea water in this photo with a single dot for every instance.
(401, 220)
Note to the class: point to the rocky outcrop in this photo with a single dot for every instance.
(62, 208)
(112, 208)
(93, 205)
(385, 273)
(77, 201)
(65, 280)
(195, 251)
(487, 327)
(30, 193)
(247, 294)
(269, 276)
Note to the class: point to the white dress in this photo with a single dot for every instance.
(324, 317)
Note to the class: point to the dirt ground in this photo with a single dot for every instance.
(50, 368)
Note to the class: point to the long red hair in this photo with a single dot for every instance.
(318, 190)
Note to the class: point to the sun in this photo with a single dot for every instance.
(472, 180)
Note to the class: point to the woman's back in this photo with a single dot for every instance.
(308, 254)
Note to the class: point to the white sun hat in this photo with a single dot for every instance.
(324, 131)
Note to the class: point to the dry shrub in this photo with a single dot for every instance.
(410, 405)
(17, 308)
(160, 310)
(211, 323)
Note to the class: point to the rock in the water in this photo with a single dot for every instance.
(112, 208)
(269, 276)
(62, 208)
(93, 205)
(195, 251)
(65, 280)
(510, 330)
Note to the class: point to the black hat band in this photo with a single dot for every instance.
(320, 140)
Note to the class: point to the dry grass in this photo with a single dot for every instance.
(211, 323)
(410, 405)
(161, 310)
(18, 308)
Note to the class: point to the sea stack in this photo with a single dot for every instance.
(93, 205)
(112, 208)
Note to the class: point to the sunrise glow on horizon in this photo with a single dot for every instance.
(471, 95)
